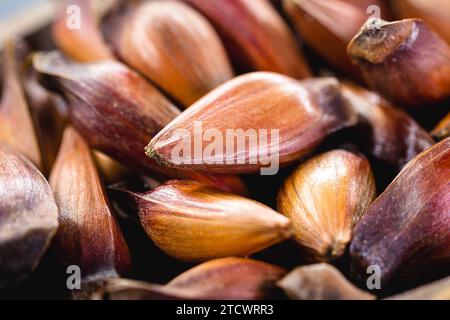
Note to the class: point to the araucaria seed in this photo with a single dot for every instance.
(28, 216)
(195, 222)
(320, 282)
(405, 232)
(243, 109)
(406, 61)
(89, 236)
(171, 44)
(16, 125)
(117, 112)
(255, 35)
(324, 198)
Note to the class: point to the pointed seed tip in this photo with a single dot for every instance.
(286, 230)
(335, 250)
(152, 153)
(377, 39)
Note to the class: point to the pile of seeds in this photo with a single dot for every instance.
(229, 149)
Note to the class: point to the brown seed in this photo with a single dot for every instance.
(393, 136)
(195, 222)
(173, 46)
(442, 130)
(28, 216)
(111, 170)
(405, 232)
(127, 289)
(328, 26)
(49, 115)
(227, 183)
(320, 282)
(117, 112)
(395, 60)
(435, 13)
(223, 279)
(229, 278)
(110, 105)
(89, 236)
(255, 35)
(296, 115)
(16, 125)
(438, 290)
(81, 40)
(324, 198)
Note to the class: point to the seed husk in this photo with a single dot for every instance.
(172, 45)
(255, 35)
(81, 40)
(328, 26)
(229, 278)
(49, 115)
(89, 236)
(324, 198)
(110, 105)
(221, 279)
(117, 112)
(395, 60)
(435, 13)
(306, 113)
(14, 113)
(438, 290)
(407, 237)
(442, 130)
(128, 289)
(110, 170)
(392, 136)
(28, 216)
(405, 231)
(192, 221)
(320, 282)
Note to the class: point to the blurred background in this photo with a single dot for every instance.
(23, 17)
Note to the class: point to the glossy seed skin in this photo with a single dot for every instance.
(393, 136)
(435, 13)
(442, 130)
(306, 113)
(117, 112)
(172, 45)
(83, 42)
(28, 216)
(325, 198)
(195, 222)
(220, 279)
(405, 232)
(14, 113)
(255, 35)
(320, 282)
(328, 26)
(437, 290)
(89, 235)
(229, 278)
(395, 60)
